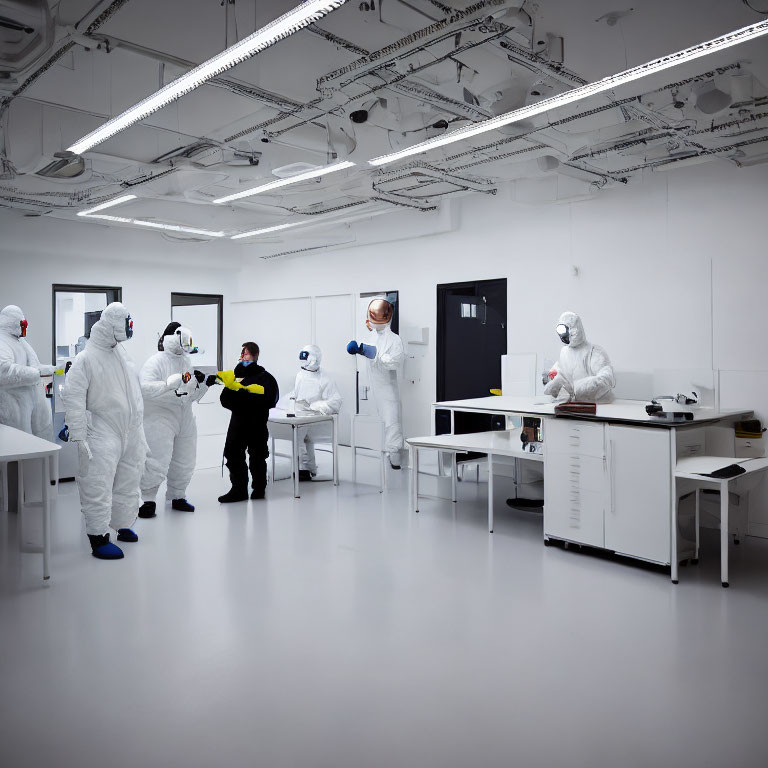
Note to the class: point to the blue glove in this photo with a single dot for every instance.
(361, 349)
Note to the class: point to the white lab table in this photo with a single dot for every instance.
(609, 478)
(629, 411)
(691, 468)
(496, 443)
(283, 426)
(16, 445)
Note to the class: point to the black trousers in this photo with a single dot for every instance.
(243, 435)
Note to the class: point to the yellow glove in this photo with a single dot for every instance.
(59, 371)
(226, 377)
(234, 386)
(255, 389)
(495, 391)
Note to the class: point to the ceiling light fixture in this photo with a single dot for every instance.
(178, 228)
(302, 16)
(267, 229)
(606, 84)
(295, 179)
(108, 204)
(157, 225)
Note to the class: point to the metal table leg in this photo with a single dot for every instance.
(335, 423)
(724, 532)
(46, 517)
(295, 461)
(415, 476)
(673, 564)
(698, 508)
(490, 493)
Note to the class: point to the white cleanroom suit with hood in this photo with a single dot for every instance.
(104, 411)
(316, 393)
(169, 422)
(584, 370)
(383, 376)
(22, 397)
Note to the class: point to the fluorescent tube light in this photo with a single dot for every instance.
(268, 229)
(118, 219)
(157, 225)
(302, 16)
(286, 181)
(108, 204)
(737, 37)
(177, 228)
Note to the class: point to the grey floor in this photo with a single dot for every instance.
(340, 630)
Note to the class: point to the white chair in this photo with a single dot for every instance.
(368, 437)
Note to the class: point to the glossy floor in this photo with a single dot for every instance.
(339, 630)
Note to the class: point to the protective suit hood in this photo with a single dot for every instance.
(112, 327)
(173, 342)
(310, 357)
(575, 328)
(10, 320)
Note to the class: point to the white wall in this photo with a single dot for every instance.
(35, 253)
(671, 271)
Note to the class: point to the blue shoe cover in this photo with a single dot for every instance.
(126, 534)
(104, 549)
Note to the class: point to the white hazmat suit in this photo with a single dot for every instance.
(584, 370)
(22, 397)
(169, 422)
(313, 392)
(385, 353)
(104, 411)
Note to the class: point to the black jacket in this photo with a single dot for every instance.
(246, 405)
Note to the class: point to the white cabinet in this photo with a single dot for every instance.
(608, 486)
(637, 520)
(575, 481)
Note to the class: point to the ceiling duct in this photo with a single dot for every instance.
(66, 165)
(742, 94)
(710, 99)
(26, 32)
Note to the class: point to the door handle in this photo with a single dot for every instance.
(613, 478)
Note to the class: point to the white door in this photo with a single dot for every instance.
(281, 327)
(575, 481)
(637, 521)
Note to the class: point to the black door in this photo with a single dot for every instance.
(471, 338)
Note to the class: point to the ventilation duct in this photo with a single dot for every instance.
(742, 90)
(26, 32)
(710, 99)
(67, 165)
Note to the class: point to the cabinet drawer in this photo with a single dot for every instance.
(691, 442)
(584, 473)
(572, 436)
(575, 516)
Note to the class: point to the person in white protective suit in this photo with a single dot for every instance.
(313, 392)
(584, 370)
(104, 412)
(170, 385)
(385, 354)
(22, 398)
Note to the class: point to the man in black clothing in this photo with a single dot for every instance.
(248, 426)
